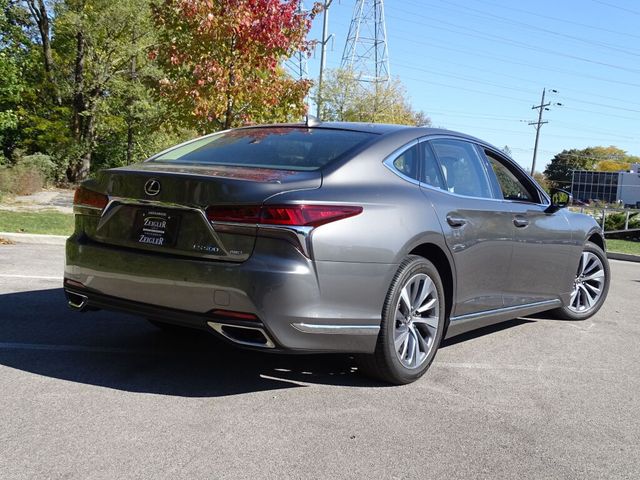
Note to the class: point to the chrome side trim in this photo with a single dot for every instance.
(471, 321)
(219, 327)
(337, 329)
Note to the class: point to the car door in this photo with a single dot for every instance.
(543, 249)
(478, 228)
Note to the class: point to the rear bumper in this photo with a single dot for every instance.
(302, 305)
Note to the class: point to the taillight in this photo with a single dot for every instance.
(88, 198)
(293, 215)
(250, 214)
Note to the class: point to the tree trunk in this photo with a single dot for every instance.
(81, 122)
(133, 74)
(39, 13)
(228, 116)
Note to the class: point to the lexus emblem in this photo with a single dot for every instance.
(152, 187)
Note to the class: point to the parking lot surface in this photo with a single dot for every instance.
(103, 395)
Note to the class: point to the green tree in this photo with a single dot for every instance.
(560, 169)
(343, 98)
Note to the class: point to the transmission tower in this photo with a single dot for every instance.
(365, 52)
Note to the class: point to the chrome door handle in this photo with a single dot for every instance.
(520, 222)
(456, 221)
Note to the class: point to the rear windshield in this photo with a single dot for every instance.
(289, 148)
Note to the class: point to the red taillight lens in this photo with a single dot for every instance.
(295, 215)
(306, 215)
(242, 214)
(88, 198)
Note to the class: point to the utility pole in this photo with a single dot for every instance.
(323, 50)
(541, 108)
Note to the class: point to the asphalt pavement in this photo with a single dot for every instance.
(102, 395)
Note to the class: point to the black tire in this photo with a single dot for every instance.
(385, 364)
(566, 312)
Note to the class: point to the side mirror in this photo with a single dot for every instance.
(559, 199)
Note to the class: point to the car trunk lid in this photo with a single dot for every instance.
(160, 207)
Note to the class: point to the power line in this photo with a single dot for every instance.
(481, 14)
(530, 81)
(557, 19)
(511, 61)
(507, 87)
(635, 12)
(502, 40)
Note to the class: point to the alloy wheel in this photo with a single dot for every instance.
(588, 284)
(417, 319)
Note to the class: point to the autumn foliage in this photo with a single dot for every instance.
(222, 60)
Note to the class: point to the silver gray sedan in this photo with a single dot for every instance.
(377, 240)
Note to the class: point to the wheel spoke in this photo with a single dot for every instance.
(425, 288)
(427, 306)
(431, 322)
(401, 338)
(416, 346)
(404, 296)
(587, 297)
(598, 275)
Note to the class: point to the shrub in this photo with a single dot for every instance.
(615, 221)
(40, 163)
(6, 181)
(26, 181)
(20, 180)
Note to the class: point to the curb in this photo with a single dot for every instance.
(34, 239)
(623, 256)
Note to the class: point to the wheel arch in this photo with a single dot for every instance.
(597, 238)
(436, 255)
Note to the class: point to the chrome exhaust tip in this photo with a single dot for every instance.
(243, 335)
(77, 301)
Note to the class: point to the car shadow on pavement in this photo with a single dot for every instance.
(39, 334)
(485, 331)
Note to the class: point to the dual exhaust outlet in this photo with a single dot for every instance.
(239, 334)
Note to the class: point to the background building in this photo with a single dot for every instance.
(610, 187)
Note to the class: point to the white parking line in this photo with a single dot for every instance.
(33, 277)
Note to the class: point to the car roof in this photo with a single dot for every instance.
(377, 128)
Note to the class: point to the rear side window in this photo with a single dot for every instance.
(288, 148)
(408, 161)
(431, 174)
(463, 169)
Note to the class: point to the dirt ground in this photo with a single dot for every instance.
(55, 198)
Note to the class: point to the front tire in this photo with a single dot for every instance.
(413, 321)
(590, 286)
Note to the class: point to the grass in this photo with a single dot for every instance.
(623, 246)
(47, 222)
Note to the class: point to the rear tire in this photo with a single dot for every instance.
(591, 285)
(413, 323)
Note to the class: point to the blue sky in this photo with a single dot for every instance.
(478, 66)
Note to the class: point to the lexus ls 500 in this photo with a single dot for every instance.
(377, 240)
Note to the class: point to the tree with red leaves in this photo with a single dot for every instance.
(223, 58)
